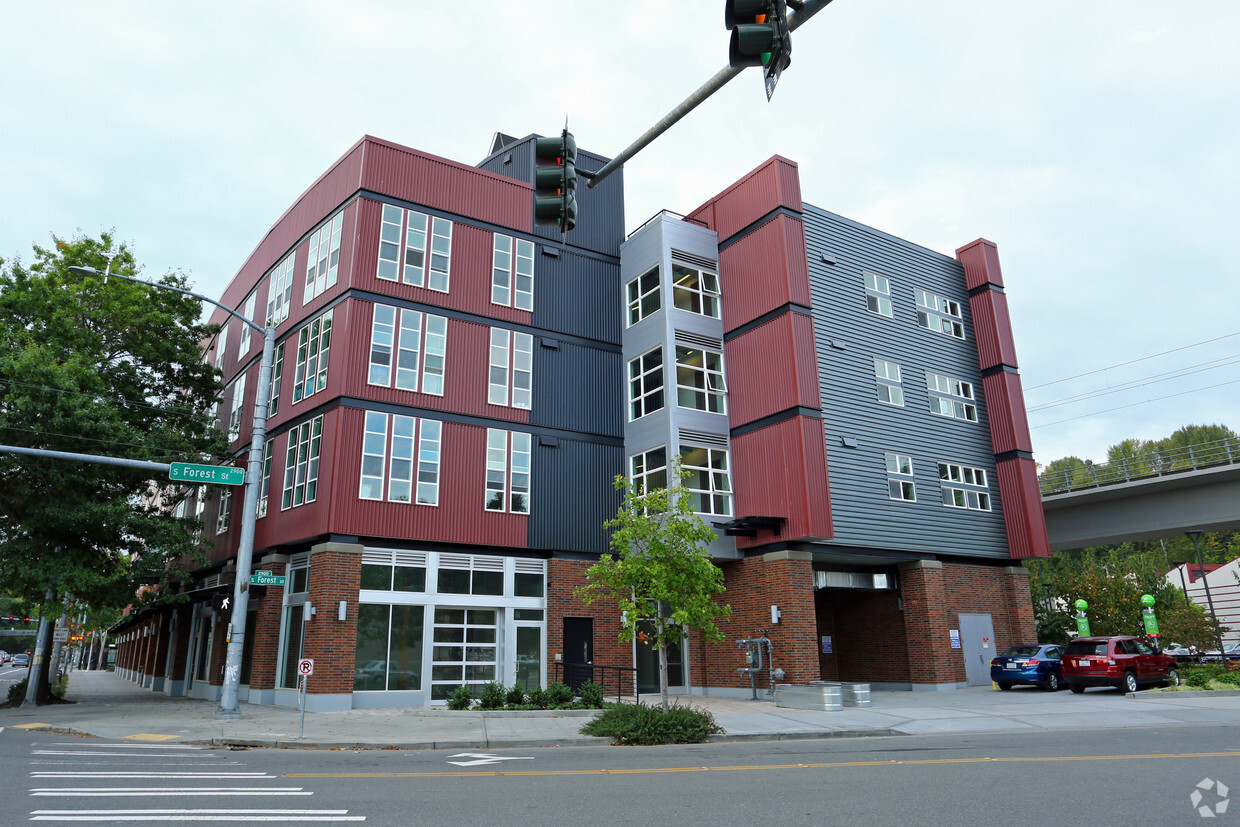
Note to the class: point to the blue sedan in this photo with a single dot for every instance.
(1036, 664)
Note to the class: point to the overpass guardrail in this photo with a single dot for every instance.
(1140, 466)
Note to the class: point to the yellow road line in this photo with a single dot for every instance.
(749, 768)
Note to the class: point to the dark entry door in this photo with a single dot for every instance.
(578, 650)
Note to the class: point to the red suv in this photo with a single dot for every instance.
(1127, 663)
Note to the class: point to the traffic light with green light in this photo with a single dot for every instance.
(759, 33)
(555, 181)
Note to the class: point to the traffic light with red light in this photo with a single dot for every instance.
(555, 181)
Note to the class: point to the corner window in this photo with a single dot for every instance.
(939, 314)
(877, 294)
(221, 518)
(643, 296)
(508, 472)
(951, 397)
(243, 346)
(324, 258)
(265, 488)
(707, 482)
(887, 375)
(234, 408)
(648, 470)
(646, 383)
(512, 272)
(277, 373)
(695, 290)
(510, 378)
(280, 291)
(900, 481)
(221, 344)
(699, 380)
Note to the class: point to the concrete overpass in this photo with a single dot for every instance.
(1145, 509)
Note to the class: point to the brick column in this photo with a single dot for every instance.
(335, 575)
(266, 643)
(1019, 602)
(931, 659)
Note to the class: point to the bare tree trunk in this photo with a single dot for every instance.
(663, 672)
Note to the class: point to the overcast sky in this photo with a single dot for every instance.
(1095, 143)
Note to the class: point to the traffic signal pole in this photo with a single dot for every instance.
(808, 9)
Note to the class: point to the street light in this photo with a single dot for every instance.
(1181, 565)
(253, 481)
(1201, 569)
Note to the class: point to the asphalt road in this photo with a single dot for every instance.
(1129, 776)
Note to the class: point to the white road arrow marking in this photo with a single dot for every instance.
(482, 758)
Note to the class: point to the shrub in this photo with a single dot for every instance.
(638, 724)
(1199, 677)
(17, 691)
(538, 697)
(461, 698)
(591, 695)
(559, 695)
(515, 697)
(491, 696)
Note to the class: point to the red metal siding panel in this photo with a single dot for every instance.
(1005, 407)
(774, 184)
(459, 517)
(772, 368)
(992, 329)
(415, 176)
(781, 471)
(1022, 508)
(981, 264)
(764, 270)
(304, 521)
(469, 271)
(467, 363)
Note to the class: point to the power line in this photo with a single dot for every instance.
(1133, 405)
(1132, 361)
(1138, 383)
(101, 398)
(158, 458)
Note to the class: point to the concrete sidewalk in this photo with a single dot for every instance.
(107, 706)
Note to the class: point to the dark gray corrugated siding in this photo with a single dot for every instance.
(578, 388)
(573, 496)
(604, 230)
(848, 338)
(578, 295)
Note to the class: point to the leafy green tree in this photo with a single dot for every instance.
(112, 369)
(662, 577)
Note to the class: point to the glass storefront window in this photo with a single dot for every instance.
(294, 631)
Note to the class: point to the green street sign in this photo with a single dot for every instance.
(266, 578)
(213, 474)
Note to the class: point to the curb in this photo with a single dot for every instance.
(1191, 693)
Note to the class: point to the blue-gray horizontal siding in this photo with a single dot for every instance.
(572, 495)
(578, 388)
(848, 339)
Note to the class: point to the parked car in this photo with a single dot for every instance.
(1127, 663)
(1035, 664)
(1182, 654)
(21, 659)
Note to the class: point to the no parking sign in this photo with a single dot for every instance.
(305, 666)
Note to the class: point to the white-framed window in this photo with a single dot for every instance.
(877, 293)
(277, 373)
(234, 407)
(707, 481)
(265, 488)
(313, 348)
(648, 470)
(400, 459)
(324, 258)
(901, 484)
(221, 344)
(643, 296)
(280, 291)
(403, 253)
(243, 347)
(407, 349)
(301, 463)
(646, 383)
(512, 272)
(964, 486)
(951, 397)
(200, 506)
(699, 380)
(887, 375)
(939, 314)
(695, 290)
(221, 517)
(511, 368)
(508, 471)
